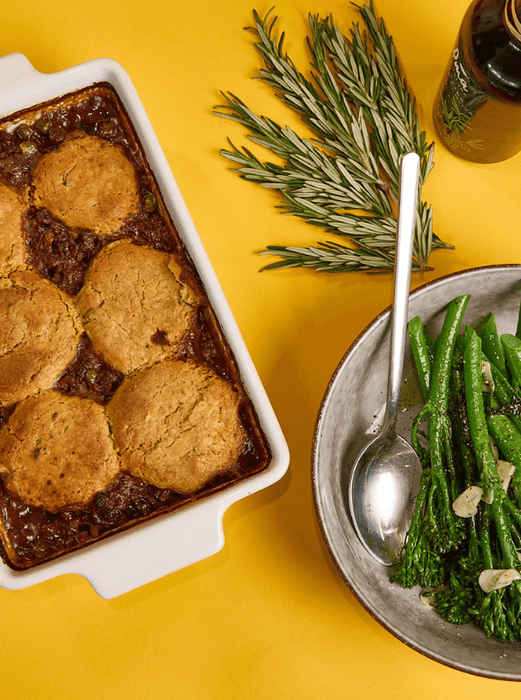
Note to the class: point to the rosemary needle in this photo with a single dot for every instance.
(345, 178)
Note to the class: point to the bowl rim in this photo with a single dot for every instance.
(315, 491)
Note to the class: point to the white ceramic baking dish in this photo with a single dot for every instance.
(149, 551)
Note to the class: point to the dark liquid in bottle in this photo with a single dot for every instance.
(478, 109)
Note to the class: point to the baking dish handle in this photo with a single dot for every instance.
(149, 553)
(16, 68)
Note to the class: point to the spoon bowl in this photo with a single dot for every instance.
(384, 486)
(385, 478)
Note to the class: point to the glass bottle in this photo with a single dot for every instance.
(477, 112)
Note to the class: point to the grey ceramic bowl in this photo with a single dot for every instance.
(348, 417)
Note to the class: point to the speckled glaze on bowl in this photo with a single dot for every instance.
(347, 419)
(172, 541)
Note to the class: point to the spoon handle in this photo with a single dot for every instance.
(408, 200)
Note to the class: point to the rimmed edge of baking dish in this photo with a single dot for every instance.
(148, 551)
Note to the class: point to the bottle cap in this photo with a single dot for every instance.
(511, 19)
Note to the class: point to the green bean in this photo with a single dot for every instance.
(512, 348)
(491, 343)
(476, 412)
(509, 400)
(431, 346)
(507, 438)
(437, 401)
(459, 420)
(481, 442)
(518, 328)
(421, 353)
(445, 350)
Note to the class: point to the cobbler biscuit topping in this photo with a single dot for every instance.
(87, 183)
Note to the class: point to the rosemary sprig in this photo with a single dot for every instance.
(345, 178)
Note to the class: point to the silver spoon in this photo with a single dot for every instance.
(385, 478)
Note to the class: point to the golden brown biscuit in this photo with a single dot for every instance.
(134, 306)
(57, 451)
(12, 249)
(176, 425)
(87, 183)
(39, 335)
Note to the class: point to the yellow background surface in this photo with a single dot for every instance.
(268, 617)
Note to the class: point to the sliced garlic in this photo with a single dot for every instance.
(426, 599)
(488, 382)
(492, 579)
(505, 471)
(488, 496)
(466, 504)
(427, 596)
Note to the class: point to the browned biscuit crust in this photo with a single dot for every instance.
(12, 249)
(176, 425)
(39, 335)
(57, 451)
(87, 183)
(134, 305)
